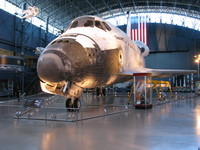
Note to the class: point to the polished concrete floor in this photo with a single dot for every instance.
(170, 126)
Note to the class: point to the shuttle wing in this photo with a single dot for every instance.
(156, 72)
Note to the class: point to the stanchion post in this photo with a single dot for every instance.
(145, 89)
(134, 90)
(150, 78)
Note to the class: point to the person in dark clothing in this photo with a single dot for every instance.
(17, 93)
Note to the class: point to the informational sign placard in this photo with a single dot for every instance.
(33, 103)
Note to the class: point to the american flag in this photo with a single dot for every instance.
(139, 28)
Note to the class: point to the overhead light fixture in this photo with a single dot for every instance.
(197, 58)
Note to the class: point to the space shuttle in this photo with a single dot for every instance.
(92, 53)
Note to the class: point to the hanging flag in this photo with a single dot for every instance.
(139, 28)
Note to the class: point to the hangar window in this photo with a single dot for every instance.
(88, 23)
(98, 25)
(74, 25)
(107, 26)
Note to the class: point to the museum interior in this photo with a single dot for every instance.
(100, 74)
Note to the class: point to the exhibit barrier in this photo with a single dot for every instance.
(38, 109)
(51, 108)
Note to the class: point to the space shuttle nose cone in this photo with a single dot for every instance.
(50, 68)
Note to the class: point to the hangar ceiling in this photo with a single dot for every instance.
(62, 12)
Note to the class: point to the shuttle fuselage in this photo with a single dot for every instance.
(90, 53)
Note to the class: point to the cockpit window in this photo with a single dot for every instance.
(74, 25)
(107, 26)
(88, 23)
(98, 25)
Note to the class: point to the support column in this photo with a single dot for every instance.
(151, 90)
(47, 31)
(134, 82)
(145, 90)
(188, 82)
(184, 82)
(192, 82)
(22, 47)
(15, 34)
(176, 81)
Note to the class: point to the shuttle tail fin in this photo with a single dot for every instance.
(128, 27)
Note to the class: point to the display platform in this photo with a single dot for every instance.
(143, 106)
